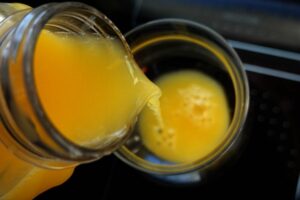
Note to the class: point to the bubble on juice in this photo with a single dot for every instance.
(197, 103)
(165, 137)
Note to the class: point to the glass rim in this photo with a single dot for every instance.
(241, 92)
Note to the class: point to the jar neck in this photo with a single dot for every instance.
(25, 127)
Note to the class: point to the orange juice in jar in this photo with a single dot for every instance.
(70, 93)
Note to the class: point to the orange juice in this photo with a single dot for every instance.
(20, 180)
(195, 113)
(88, 87)
(90, 90)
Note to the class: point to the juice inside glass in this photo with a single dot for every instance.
(204, 101)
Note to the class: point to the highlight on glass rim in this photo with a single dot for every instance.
(173, 99)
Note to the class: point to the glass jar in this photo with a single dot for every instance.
(169, 45)
(30, 144)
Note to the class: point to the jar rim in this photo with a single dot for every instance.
(26, 33)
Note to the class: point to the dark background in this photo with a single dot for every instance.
(269, 165)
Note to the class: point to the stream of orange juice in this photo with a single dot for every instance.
(195, 113)
(90, 90)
